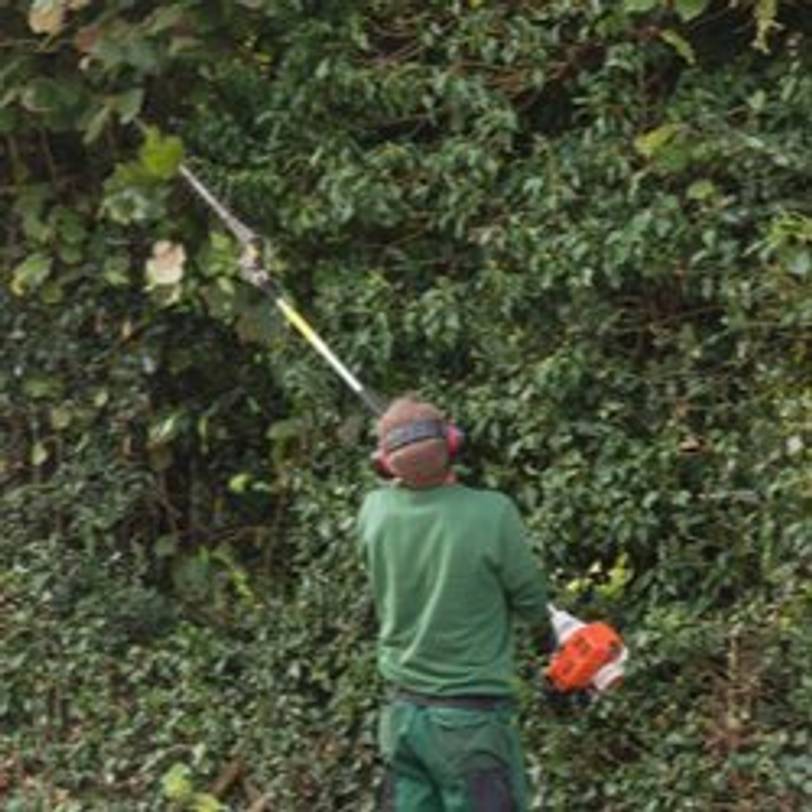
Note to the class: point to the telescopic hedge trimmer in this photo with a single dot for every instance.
(589, 656)
(257, 275)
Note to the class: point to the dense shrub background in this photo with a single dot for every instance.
(583, 228)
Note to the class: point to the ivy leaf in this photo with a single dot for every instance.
(701, 190)
(618, 577)
(128, 104)
(650, 143)
(41, 387)
(639, 6)
(30, 274)
(679, 44)
(239, 482)
(257, 324)
(166, 265)
(165, 546)
(47, 16)
(166, 17)
(161, 155)
(132, 195)
(60, 417)
(115, 270)
(689, 9)
(42, 95)
(800, 262)
(163, 430)
(97, 123)
(757, 101)
(205, 802)
(176, 784)
(39, 454)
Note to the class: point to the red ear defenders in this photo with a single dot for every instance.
(414, 432)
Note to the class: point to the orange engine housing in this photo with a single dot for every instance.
(582, 655)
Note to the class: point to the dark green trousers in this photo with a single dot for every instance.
(446, 758)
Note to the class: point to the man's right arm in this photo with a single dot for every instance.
(523, 580)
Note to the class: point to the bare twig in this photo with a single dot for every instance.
(228, 777)
(261, 804)
(49, 156)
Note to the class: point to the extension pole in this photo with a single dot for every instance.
(255, 274)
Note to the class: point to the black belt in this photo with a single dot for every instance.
(483, 702)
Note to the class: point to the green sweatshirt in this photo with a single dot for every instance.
(449, 568)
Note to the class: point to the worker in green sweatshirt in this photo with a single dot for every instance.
(450, 570)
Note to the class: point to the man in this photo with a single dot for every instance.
(449, 569)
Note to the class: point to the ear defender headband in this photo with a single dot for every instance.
(415, 432)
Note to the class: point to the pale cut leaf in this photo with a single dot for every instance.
(765, 13)
(165, 267)
(47, 16)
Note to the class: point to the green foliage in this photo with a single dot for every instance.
(583, 229)
(160, 155)
(178, 790)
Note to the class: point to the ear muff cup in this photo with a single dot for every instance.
(454, 437)
(380, 464)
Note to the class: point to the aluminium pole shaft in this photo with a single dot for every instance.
(258, 276)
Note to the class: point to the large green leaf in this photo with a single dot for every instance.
(161, 155)
(690, 9)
